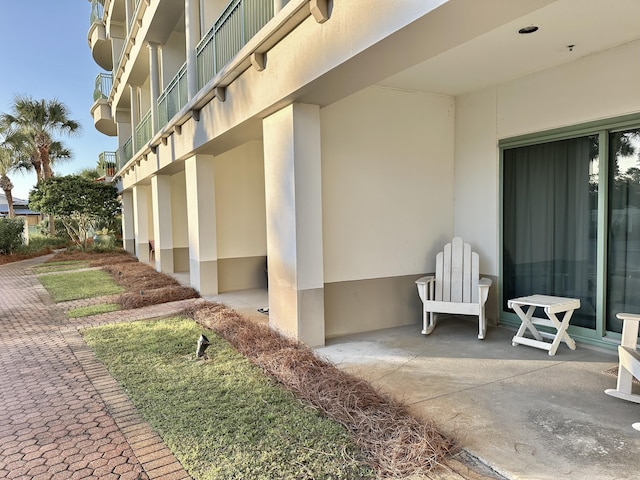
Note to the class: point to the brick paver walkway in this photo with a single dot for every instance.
(62, 416)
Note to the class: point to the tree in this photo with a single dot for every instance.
(90, 173)
(40, 121)
(8, 161)
(80, 203)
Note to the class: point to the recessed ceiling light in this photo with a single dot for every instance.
(527, 30)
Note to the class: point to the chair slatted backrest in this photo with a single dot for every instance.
(457, 273)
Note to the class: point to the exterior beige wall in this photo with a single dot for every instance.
(387, 170)
(180, 223)
(240, 202)
(476, 177)
(604, 85)
(173, 57)
(210, 10)
(241, 274)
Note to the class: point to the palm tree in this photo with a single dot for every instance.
(40, 121)
(8, 162)
(5, 183)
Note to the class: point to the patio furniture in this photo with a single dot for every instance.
(456, 287)
(628, 361)
(551, 306)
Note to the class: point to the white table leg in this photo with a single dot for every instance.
(562, 334)
(526, 323)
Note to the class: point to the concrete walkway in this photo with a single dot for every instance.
(527, 415)
(62, 416)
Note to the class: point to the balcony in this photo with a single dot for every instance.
(144, 130)
(240, 21)
(101, 110)
(99, 43)
(173, 98)
(127, 152)
(107, 164)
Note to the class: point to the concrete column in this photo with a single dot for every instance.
(141, 221)
(128, 232)
(201, 215)
(162, 223)
(294, 222)
(278, 5)
(154, 75)
(192, 32)
(135, 116)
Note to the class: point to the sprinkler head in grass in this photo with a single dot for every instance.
(203, 343)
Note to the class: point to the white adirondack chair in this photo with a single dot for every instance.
(628, 361)
(456, 287)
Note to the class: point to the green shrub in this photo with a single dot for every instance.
(10, 234)
(61, 231)
(39, 243)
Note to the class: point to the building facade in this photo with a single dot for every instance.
(342, 143)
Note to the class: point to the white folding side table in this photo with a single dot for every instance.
(551, 306)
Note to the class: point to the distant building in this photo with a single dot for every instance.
(21, 209)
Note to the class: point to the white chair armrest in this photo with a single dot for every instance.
(633, 317)
(483, 288)
(630, 327)
(425, 280)
(426, 286)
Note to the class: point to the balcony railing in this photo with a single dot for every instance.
(173, 98)
(127, 152)
(107, 163)
(97, 11)
(144, 130)
(136, 4)
(240, 21)
(104, 82)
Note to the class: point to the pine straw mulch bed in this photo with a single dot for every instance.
(143, 284)
(96, 259)
(394, 442)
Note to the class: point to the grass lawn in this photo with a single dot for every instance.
(76, 285)
(60, 266)
(93, 310)
(222, 417)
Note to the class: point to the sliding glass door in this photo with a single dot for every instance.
(623, 279)
(571, 224)
(550, 202)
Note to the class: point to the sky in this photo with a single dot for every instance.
(44, 54)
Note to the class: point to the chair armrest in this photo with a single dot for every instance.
(633, 317)
(426, 286)
(630, 326)
(425, 280)
(483, 287)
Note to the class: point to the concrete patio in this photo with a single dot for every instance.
(523, 413)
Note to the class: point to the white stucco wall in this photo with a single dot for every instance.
(179, 211)
(173, 53)
(600, 86)
(240, 202)
(387, 183)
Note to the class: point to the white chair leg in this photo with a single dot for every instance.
(428, 322)
(482, 324)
